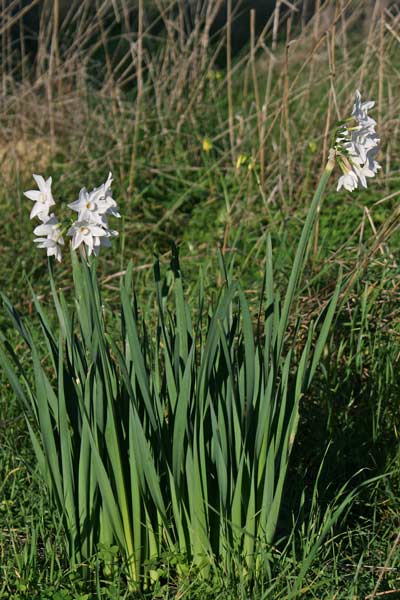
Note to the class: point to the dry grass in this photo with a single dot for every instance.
(161, 88)
(105, 92)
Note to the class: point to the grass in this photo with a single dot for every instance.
(91, 105)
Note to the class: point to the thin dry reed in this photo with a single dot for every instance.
(137, 76)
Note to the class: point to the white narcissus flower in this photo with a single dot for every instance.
(102, 197)
(92, 206)
(360, 110)
(89, 233)
(93, 209)
(104, 240)
(43, 198)
(356, 148)
(53, 238)
(52, 247)
(349, 181)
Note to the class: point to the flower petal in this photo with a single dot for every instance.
(34, 195)
(41, 182)
(39, 210)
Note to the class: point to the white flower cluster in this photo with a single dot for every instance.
(49, 233)
(91, 227)
(356, 148)
(93, 209)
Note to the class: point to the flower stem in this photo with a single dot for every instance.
(302, 249)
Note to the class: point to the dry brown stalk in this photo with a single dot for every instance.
(256, 92)
(285, 104)
(276, 25)
(375, 592)
(229, 78)
(381, 66)
(138, 98)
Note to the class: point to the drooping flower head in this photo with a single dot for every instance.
(357, 146)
